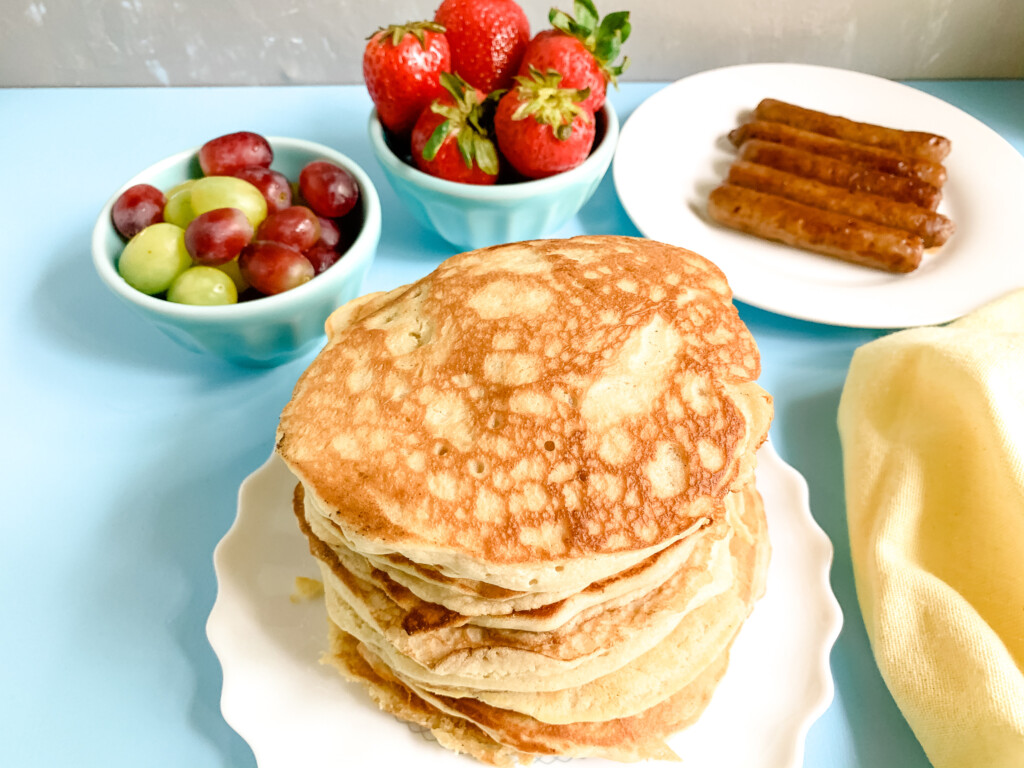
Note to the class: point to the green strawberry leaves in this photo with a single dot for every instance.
(467, 119)
(437, 138)
(541, 98)
(417, 29)
(587, 16)
(602, 37)
(478, 149)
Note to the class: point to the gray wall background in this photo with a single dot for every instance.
(263, 42)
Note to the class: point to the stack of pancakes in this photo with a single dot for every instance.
(528, 482)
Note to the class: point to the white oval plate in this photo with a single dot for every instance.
(294, 711)
(673, 151)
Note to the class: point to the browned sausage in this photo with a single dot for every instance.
(856, 154)
(933, 228)
(927, 146)
(836, 173)
(832, 234)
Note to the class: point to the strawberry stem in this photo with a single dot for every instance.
(603, 38)
(417, 29)
(543, 99)
(466, 119)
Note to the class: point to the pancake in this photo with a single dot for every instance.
(667, 688)
(556, 410)
(453, 641)
(493, 605)
(491, 653)
(674, 662)
(553, 610)
(497, 669)
(528, 480)
(455, 733)
(627, 739)
(478, 661)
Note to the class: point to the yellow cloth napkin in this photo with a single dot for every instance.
(932, 428)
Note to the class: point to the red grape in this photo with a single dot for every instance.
(233, 152)
(321, 256)
(272, 184)
(297, 226)
(217, 236)
(273, 267)
(330, 191)
(137, 208)
(330, 234)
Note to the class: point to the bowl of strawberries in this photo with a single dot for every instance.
(489, 135)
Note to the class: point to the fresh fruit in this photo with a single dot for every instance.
(541, 128)
(217, 236)
(273, 267)
(154, 257)
(321, 256)
(212, 192)
(203, 286)
(582, 49)
(178, 209)
(272, 185)
(449, 140)
(137, 208)
(330, 232)
(487, 40)
(234, 237)
(232, 270)
(330, 191)
(297, 226)
(401, 64)
(225, 155)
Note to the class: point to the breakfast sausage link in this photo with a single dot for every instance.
(933, 228)
(836, 173)
(873, 158)
(927, 146)
(831, 234)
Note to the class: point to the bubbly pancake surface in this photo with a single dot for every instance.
(529, 403)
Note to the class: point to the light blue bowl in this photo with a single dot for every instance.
(263, 332)
(473, 216)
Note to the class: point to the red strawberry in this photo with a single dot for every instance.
(582, 49)
(449, 140)
(401, 65)
(541, 128)
(487, 39)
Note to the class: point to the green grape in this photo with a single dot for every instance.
(206, 286)
(178, 208)
(154, 257)
(230, 268)
(212, 192)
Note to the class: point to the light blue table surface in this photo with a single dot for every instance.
(122, 453)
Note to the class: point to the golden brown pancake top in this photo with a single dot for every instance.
(528, 403)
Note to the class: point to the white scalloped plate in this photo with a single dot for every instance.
(294, 711)
(672, 152)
